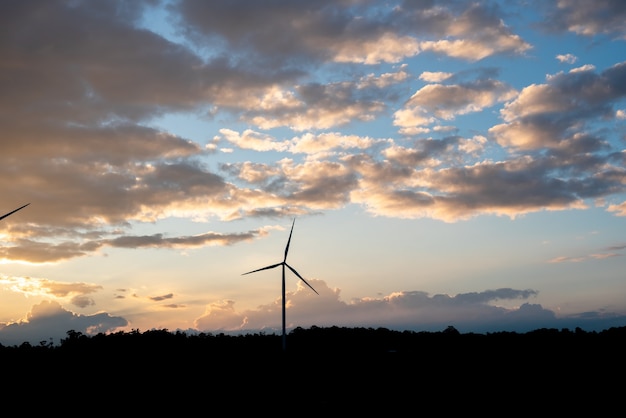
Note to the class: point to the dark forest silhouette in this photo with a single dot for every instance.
(327, 370)
(328, 342)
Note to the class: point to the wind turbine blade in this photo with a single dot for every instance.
(13, 211)
(301, 278)
(263, 268)
(289, 240)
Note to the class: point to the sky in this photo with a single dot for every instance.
(442, 163)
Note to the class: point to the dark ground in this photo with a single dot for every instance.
(322, 371)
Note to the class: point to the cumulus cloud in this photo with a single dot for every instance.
(544, 115)
(482, 312)
(48, 322)
(90, 130)
(289, 95)
(447, 101)
(588, 19)
(407, 310)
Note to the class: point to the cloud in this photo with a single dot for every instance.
(48, 322)
(407, 310)
(544, 116)
(472, 32)
(95, 163)
(162, 298)
(200, 240)
(388, 47)
(473, 50)
(29, 286)
(343, 33)
(605, 253)
(435, 77)
(585, 18)
(447, 101)
(319, 106)
(618, 209)
(567, 58)
(416, 311)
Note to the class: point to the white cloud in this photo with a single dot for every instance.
(434, 77)
(567, 58)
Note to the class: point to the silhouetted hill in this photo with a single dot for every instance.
(334, 368)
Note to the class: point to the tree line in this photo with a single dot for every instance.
(330, 340)
(324, 370)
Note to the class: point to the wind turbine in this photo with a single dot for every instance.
(284, 264)
(13, 211)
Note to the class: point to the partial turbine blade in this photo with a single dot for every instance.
(289, 240)
(301, 278)
(263, 268)
(13, 211)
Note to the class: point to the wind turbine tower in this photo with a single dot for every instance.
(284, 264)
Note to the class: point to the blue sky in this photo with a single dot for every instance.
(446, 163)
